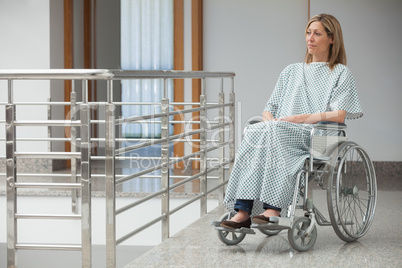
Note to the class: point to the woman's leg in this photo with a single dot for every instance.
(243, 208)
(242, 218)
(271, 211)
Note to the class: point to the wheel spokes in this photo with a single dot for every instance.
(234, 236)
(351, 208)
(351, 192)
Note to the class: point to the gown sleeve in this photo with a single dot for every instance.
(344, 96)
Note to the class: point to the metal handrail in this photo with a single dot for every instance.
(55, 74)
(105, 74)
(167, 74)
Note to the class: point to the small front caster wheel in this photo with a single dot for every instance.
(228, 237)
(298, 238)
(269, 232)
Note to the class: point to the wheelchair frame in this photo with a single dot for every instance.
(348, 171)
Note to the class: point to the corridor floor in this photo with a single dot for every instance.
(199, 246)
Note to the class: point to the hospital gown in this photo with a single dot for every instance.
(272, 152)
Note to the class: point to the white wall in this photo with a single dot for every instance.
(256, 39)
(24, 44)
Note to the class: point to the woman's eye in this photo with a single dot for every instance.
(318, 34)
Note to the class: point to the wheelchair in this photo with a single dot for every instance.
(345, 171)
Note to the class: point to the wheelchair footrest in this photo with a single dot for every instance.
(276, 223)
(215, 223)
(241, 230)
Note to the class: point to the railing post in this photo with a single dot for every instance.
(86, 177)
(110, 179)
(232, 114)
(73, 136)
(203, 155)
(221, 149)
(165, 162)
(11, 175)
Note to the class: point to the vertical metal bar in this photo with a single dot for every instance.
(291, 212)
(109, 92)
(165, 89)
(165, 164)
(203, 155)
(10, 92)
(306, 195)
(110, 179)
(232, 129)
(11, 177)
(221, 139)
(49, 128)
(85, 91)
(86, 177)
(73, 135)
(232, 112)
(222, 83)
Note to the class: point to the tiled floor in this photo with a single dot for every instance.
(199, 246)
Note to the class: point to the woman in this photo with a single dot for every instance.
(272, 152)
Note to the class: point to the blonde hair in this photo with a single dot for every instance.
(333, 29)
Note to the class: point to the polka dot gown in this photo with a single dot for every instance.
(272, 152)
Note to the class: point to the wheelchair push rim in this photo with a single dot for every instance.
(352, 192)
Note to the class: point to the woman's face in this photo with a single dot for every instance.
(318, 42)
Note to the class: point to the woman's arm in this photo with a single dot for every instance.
(333, 116)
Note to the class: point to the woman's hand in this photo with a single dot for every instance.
(267, 116)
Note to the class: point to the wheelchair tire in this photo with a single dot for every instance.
(297, 234)
(352, 191)
(229, 238)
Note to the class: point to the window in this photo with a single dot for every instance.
(146, 44)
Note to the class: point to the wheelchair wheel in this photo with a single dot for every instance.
(229, 238)
(297, 236)
(352, 192)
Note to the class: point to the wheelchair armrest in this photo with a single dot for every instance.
(251, 121)
(328, 125)
(254, 120)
